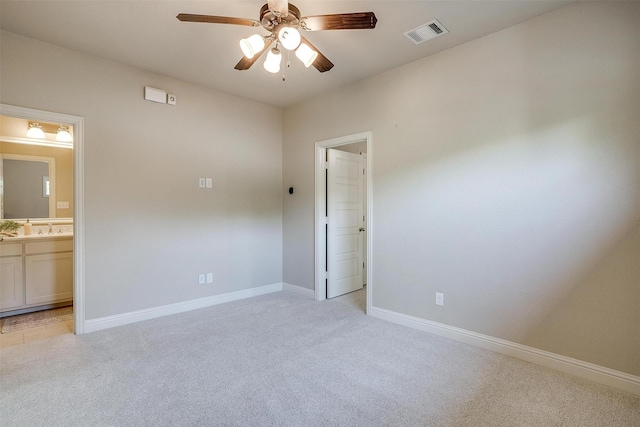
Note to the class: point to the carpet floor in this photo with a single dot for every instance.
(284, 360)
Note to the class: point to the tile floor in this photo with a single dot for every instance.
(28, 335)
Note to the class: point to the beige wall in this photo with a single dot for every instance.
(64, 170)
(149, 229)
(506, 174)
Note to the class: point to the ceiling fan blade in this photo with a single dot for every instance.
(187, 17)
(246, 63)
(340, 21)
(321, 63)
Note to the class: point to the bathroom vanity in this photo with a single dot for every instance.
(36, 271)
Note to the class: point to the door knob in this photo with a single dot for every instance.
(361, 228)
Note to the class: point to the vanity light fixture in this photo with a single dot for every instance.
(35, 131)
(63, 134)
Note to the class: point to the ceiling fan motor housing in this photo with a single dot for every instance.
(270, 20)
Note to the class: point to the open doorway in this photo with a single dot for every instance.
(32, 258)
(358, 143)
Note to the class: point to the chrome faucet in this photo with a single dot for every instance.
(50, 228)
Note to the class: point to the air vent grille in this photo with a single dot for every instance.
(425, 32)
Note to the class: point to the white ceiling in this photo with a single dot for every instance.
(147, 35)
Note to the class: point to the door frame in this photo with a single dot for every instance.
(321, 206)
(78, 198)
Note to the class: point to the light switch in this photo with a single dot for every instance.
(201, 182)
(209, 183)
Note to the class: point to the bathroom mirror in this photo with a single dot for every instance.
(28, 186)
(36, 176)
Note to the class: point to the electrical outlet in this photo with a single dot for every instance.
(201, 182)
(201, 279)
(171, 99)
(439, 298)
(209, 277)
(209, 182)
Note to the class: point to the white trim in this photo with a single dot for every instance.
(320, 209)
(600, 374)
(43, 143)
(298, 290)
(101, 323)
(78, 198)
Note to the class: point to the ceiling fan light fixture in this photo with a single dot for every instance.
(272, 63)
(252, 45)
(306, 54)
(35, 131)
(63, 134)
(289, 38)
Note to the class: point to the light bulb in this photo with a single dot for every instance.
(306, 54)
(252, 45)
(289, 37)
(272, 63)
(35, 131)
(63, 134)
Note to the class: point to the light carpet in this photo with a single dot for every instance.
(34, 320)
(283, 360)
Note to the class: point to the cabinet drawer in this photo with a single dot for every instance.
(10, 249)
(48, 247)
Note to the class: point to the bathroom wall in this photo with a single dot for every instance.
(149, 229)
(506, 175)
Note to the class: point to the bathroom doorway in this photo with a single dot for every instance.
(51, 248)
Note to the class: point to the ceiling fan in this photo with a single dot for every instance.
(282, 20)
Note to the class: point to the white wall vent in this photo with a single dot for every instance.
(425, 32)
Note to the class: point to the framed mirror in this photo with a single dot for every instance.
(28, 187)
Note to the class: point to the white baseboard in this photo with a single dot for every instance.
(93, 325)
(600, 374)
(298, 290)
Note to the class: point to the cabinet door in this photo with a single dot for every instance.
(11, 285)
(49, 278)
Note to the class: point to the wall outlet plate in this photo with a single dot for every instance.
(439, 298)
(171, 99)
(209, 183)
(201, 279)
(209, 277)
(201, 182)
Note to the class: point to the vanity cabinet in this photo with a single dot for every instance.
(11, 274)
(36, 272)
(48, 272)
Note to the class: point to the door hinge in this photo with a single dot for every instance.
(326, 275)
(326, 220)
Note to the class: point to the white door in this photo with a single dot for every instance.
(345, 196)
